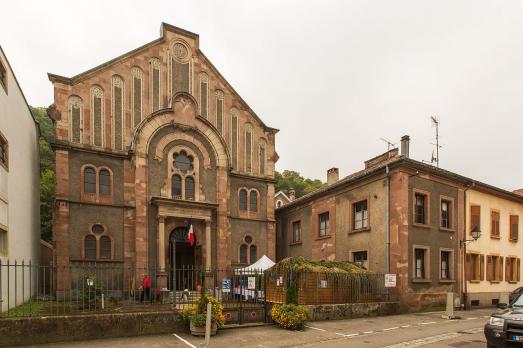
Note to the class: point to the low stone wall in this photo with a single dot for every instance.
(351, 310)
(38, 330)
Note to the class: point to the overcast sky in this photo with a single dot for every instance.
(333, 76)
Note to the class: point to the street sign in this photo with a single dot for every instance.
(390, 280)
(252, 283)
(226, 285)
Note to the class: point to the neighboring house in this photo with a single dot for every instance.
(19, 187)
(280, 198)
(493, 262)
(149, 141)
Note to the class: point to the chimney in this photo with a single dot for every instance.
(292, 195)
(333, 175)
(518, 192)
(405, 143)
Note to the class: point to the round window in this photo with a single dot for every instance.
(248, 239)
(182, 161)
(97, 229)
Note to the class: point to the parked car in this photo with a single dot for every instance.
(506, 329)
(514, 294)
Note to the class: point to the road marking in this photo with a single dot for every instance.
(314, 328)
(368, 332)
(427, 323)
(433, 339)
(185, 341)
(349, 335)
(405, 326)
(473, 318)
(391, 328)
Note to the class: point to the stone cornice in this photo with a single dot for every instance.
(251, 177)
(249, 219)
(61, 145)
(74, 201)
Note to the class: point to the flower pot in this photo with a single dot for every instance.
(200, 331)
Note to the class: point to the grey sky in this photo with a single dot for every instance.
(333, 76)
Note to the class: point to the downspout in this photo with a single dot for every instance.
(464, 242)
(387, 171)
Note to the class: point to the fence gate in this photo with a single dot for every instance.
(243, 297)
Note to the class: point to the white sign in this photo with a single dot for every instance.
(279, 281)
(323, 284)
(251, 283)
(390, 280)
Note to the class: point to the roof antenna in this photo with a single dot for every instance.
(435, 123)
(389, 144)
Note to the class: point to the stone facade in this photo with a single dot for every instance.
(358, 223)
(146, 143)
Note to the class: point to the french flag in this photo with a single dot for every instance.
(191, 233)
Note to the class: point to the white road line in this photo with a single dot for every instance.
(391, 328)
(185, 341)
(425, 341)
(427, 323)
(349, 335)
(473, 318)
(405, 326)
(368, 332)
(314, 328)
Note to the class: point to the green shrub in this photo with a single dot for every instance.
(289, 316)
(291, 296)
(194, 312)
(198, 320)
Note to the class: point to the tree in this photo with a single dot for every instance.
(292, 180)
(47, 172)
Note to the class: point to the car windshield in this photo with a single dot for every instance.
(518, 302)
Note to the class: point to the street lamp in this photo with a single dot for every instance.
(476, 233)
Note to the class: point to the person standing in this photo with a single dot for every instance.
(146, 288)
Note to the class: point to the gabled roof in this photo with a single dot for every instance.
(283, 194)
(164, 27)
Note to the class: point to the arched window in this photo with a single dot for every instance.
(189, 188)
(176, 185)
(261, 156)
(90, 247)
(253, 201)
(219, 110)
(253, 254)
(243, 200)
(234, 138)
(243, 253)
(155, 67)
(104, 182)
(204, 94)
(278, 204)
(76, 119)
(97, 116)
(248, 148)
(89, 180)
(136, 96)
(105, 248)
(118, 112)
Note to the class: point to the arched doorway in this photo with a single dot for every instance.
(181, 251)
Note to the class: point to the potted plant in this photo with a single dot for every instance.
(196, 315)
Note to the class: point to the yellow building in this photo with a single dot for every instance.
(492, 262)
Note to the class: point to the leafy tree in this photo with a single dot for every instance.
(292, 180)
(47, 172)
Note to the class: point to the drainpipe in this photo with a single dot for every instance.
(388, 217)
(465, 294)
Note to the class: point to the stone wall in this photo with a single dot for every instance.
(27, 331)
(351, 310)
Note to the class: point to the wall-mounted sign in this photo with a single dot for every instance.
(251, 283)
(390, 280)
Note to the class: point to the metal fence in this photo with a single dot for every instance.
(36, 290)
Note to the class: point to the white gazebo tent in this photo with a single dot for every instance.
(263, 264)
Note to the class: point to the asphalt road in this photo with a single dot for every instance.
(399, 331)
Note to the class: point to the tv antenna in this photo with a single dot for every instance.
(390, 144)
(435, 123)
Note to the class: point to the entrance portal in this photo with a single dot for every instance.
(181, 260)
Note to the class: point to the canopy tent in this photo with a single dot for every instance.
(263, 264)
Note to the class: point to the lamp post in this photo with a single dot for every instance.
(476, 233)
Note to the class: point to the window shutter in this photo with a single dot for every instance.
(508, 274)
(519, 269)
(482, 267)
(490, 268)
(468, 267)
(514, 227)
(500, 268)
(475, 217)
